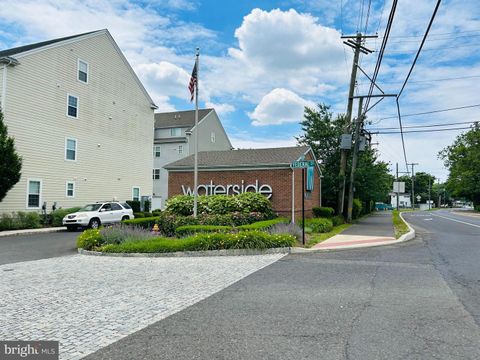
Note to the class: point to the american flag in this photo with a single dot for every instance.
(193, 82)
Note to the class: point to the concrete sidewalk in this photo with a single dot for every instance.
(376, 229)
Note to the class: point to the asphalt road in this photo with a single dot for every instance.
(416, 300)
(36, 246)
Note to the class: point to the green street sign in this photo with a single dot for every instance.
(302, 164)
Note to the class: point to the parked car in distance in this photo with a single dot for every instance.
(382, 206)
(94, 215)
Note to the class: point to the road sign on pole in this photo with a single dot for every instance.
(302, 164)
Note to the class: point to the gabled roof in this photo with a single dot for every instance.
(26, 49)
(20, 49)
(243, 158)
(179, 119)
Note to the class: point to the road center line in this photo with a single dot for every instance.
(459, 221)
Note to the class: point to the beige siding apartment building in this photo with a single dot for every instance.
(82, 122)
(175, 139)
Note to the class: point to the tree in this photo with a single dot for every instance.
(10, 161)
(421, 185)
(322, 132)
(462, 159)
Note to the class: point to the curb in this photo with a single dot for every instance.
(32, 231)
(405, 237)
(204, 253)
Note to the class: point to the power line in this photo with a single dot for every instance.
(425, 126)
(433, 111)
(401, 132)
(381, 52)
(419, 131)
(420, 48)
(438, 34)
(368, 15)
(431, 80)
(432, 49)
(437, 39)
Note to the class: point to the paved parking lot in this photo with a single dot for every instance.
(88, 302)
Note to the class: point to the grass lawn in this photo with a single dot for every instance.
(316, 238)
(399, 225)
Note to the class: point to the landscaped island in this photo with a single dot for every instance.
(244, 221)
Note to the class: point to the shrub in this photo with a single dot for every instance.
(290, 229)
(147, 214)
(263, 225)
(156, 212)
(134, 204)
(477, 208)
(59, 214)
(319, 225)
(120, 233)
(239, 219)
(357, 208)
(28, 220)
(143, 222)
(253, 202)
(193, 229)
(146, 206)
(180, 205)
(138, 215)
(215, 241)
(7, 222)
(212, 219)
(89, 239)
(220, 204)
(338, 220)
(326, 212)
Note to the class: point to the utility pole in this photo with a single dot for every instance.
(429, 190)
(398, 191)
(413, 185)
(359, 122)
(357, 46)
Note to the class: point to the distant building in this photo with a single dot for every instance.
(404, 200)
(265, 171)
(81, 119)
(175, 139)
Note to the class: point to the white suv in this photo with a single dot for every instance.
(94, 215)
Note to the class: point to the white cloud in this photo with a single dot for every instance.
(279, 106)
(221, 109)
(249, 142)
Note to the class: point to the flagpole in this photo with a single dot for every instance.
(195, 170)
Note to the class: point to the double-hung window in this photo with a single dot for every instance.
(175, 132)
(135, 193)
(82, 71)
(71, 149)
(72, 106)
(180, 149)
(156, 174)
(156, 151)
(70, 189)
(33, 194)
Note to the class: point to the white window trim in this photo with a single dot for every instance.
(78, 106)
(76, 146)
(179, 130)
(39, 197)
(180, 152)
(78, 71)
(139, 193)
(155, 151)
(212, 137)
(153, 173)
(66, 189)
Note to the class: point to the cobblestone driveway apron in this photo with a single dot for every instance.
(88, 302)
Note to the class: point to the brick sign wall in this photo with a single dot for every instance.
(280, 181)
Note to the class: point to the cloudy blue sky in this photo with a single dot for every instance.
(263, 61)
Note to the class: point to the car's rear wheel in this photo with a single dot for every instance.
(94, 223)
(126, 217)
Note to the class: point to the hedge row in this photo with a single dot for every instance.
(220, 204)
(323, 212)
(19, 220)
(319, 225)
(185, 230)
(263, 225)
(93, 240)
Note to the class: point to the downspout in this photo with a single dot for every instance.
(293, 196)
(4, 88)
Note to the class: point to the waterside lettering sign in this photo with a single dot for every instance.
(230, 189)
